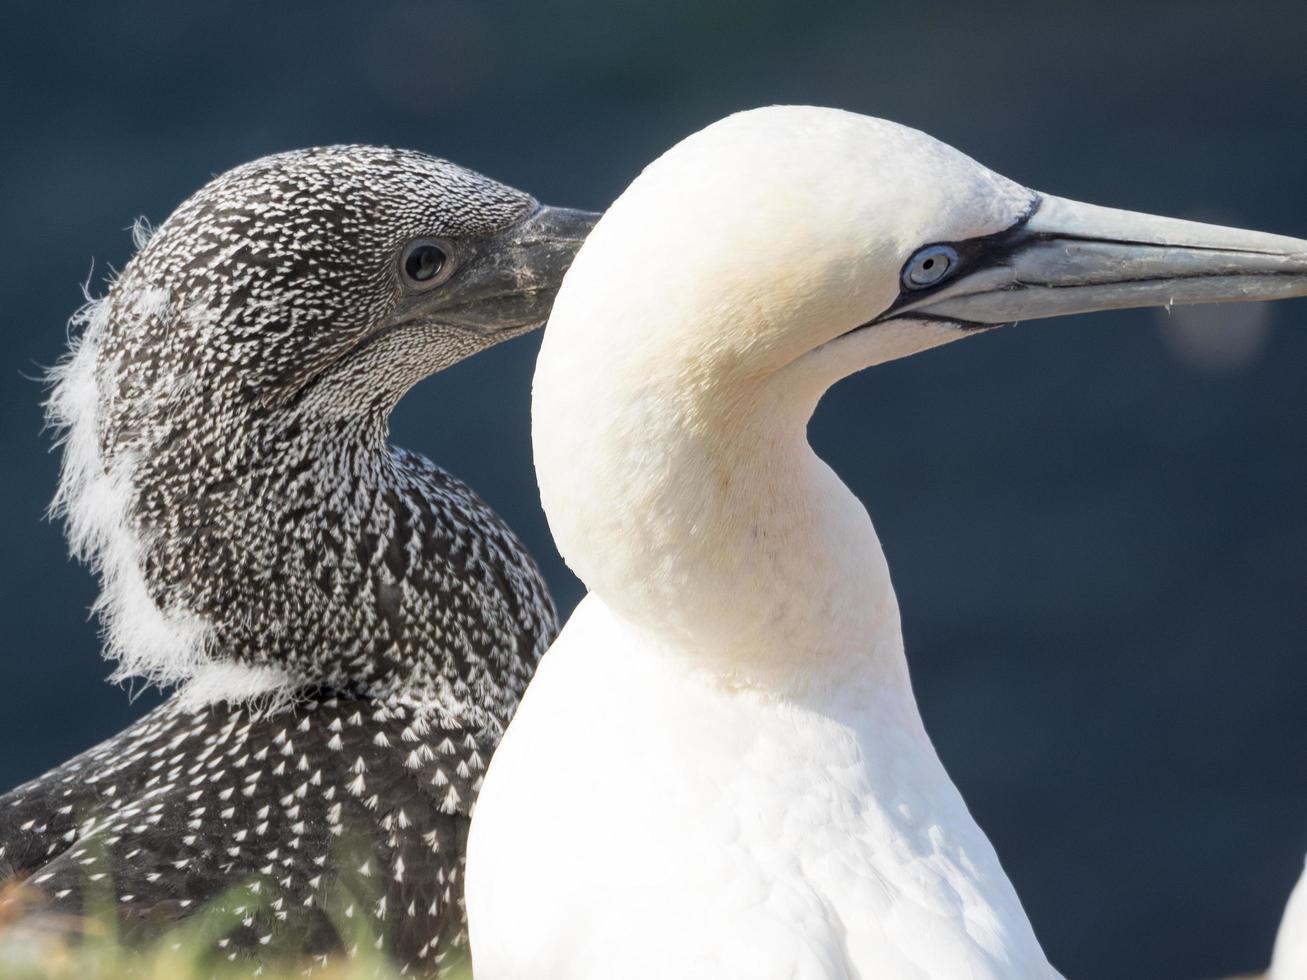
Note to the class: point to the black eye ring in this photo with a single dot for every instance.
(426, 262)
(929, 266)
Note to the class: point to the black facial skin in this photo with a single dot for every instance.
(972, 254)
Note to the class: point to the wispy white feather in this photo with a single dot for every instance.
(163, 646)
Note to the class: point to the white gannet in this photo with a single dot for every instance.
(351, 625)
(1289, 961)
(720, 770)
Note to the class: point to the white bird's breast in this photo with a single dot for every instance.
(641, 820)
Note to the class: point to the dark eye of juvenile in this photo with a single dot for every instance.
(424, 262)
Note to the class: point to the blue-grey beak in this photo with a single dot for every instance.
(1068, 257)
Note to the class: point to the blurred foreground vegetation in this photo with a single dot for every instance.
(41, 947)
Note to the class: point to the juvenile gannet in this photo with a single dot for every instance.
(719, 770)
(350, 625)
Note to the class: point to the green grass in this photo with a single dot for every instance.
(36, 947)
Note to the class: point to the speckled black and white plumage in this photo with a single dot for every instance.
(351, 627)
(300, 825)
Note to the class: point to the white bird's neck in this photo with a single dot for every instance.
(750, 683)
(691, 503)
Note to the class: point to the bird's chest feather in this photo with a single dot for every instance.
(756, 838)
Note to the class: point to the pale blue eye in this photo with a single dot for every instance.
(929, 266)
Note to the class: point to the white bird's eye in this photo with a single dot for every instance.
(929, 266)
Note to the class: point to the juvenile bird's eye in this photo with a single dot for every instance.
(929, 266)
(425, 262)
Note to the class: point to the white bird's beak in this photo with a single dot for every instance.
(1067, 257)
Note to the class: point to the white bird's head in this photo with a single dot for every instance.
(774, 252)
(779, 230)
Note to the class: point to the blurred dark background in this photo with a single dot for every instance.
(1097, 526)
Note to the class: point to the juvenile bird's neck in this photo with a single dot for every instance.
(256, 554)
(695, 508)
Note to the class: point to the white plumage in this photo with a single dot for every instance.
(720, 770)
(1290, 960)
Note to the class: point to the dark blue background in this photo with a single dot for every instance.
(1097, 540)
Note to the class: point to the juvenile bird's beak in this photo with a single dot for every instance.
(509, 285)
(1067, 257)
